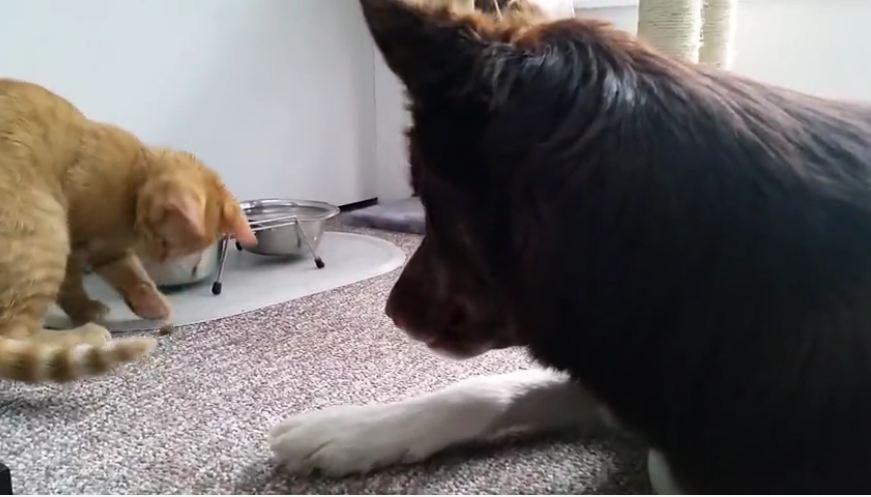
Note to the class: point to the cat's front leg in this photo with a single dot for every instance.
(127, 275)
(74, 300)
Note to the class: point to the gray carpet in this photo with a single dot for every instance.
(194, 417)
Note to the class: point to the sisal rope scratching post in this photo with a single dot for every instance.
(718, 22)
(674, 27)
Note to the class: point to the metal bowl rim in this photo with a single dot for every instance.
(329, 209)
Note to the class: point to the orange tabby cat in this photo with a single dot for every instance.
(77, 194)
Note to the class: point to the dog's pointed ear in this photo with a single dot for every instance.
(429, 49)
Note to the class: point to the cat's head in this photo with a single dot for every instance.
(183, 207)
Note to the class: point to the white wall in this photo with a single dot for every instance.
(277, 95)
(817, 46)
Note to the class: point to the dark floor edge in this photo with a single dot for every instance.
(358, 205)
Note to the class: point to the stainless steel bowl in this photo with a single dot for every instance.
(277, 224)
(282, 227)
(185, 270)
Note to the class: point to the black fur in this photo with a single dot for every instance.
(694, 247)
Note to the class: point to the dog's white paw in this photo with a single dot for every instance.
(356, 439)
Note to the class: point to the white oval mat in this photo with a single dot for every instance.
(252, 282)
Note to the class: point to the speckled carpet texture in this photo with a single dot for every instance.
(194, 417)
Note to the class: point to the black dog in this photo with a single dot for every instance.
(691, 246)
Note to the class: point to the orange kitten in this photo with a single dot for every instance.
(77, 194)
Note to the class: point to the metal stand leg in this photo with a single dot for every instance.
(319, 263)
(5, 480)
(217, 286)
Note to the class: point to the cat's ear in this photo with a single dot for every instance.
(432, 50)
(182, 217)
(234, 223)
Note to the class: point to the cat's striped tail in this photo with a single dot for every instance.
(40, 362)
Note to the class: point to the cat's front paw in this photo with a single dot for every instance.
(355, 439)
(87, 311)
(146, 301)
